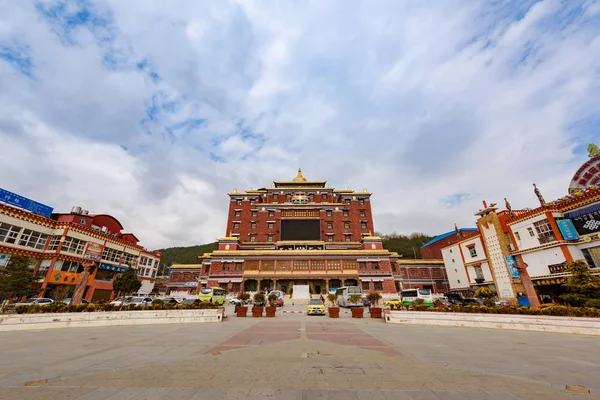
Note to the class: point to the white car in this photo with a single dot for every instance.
(140, 301)
(119, 300)
(42, 301)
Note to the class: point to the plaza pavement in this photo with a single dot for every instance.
(295, 356)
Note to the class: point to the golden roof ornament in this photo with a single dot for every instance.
(234, 190)
(299, 178)
(365, 190)
(593, 150)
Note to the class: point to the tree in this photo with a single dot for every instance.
(581, 286)
(16, 279)
(126, 283)
(484, 293)
(62, 292)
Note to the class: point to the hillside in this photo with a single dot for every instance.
(409, 246)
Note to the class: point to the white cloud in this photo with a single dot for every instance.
(433, 107)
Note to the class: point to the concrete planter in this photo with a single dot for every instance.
(357, 312)
(375, 312)
(241, 311)
(257, 312)
(270, 311)
(538, 323)
(18, 322)
(334, 312)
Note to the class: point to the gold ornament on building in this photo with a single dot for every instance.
(299, 178)
(227, 247)
(593, 150)
(234, 190)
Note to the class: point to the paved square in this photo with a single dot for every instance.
(295, 356)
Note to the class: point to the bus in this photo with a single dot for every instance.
(410, 295)
(343, 296)
(215, 295)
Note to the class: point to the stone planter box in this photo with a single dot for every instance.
(241, 311)
(357, 312)
(538, 323)
(375, 312)
(270, 311)
(19, 322)
(257, 311)
(334, 312)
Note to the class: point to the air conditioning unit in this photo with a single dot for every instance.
(75, 210)
(104, 229)
(84, 212)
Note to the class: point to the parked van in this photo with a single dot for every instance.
(215, 295)
(343, 296)
(410, 295)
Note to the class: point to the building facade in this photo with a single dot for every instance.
(301, 232)
(526, 251)
(58, 244)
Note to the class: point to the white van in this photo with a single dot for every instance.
(343, 296)
(410, 295)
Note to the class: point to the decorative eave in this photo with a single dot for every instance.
(406, 261)
(186, 266)
(286, 253)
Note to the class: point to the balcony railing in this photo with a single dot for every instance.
(547, 239)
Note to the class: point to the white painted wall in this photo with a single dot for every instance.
(538, 261)
(527, 241)
(455, 268)
(485, 269)
(476, 241)
(498, 263)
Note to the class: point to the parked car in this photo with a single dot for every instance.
(315, 307)
(236, 301)
(394, 302)
(119, 300)
(472, 301)
(68, 301)
(139, 301)
(42, 301)
(190, 301)
(170, 300)
(279, 302)
(502, 303)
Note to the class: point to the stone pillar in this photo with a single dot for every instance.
(532, 296)
(275, 284)
(327, 285)
(258, 281)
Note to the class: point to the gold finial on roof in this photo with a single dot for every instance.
(365, 190)
(270, 186)
(299, 177)
(234, 190)
(593, 150)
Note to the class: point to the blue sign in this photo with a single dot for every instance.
(512, 267)
(111, 267)
(567, 229)
(24, 203)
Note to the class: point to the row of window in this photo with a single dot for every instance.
(271, 225)
(271, 214)
(330, 238)
(311, 197)
(10, 234)
(376, 285)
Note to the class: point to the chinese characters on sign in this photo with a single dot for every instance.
(94, 251)
(567, 229)
(510, 261)
(24, 203)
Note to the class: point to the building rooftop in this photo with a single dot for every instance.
(447, 234)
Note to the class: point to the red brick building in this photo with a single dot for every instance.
(296, 232)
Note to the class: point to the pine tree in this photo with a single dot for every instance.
(126, 283)
(581, 286)
(16, 279)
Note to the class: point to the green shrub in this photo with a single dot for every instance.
(157, 302)
(246, 296)
(158, 306)
(484, 293)
(593, 303)
(259, 298)
(108, 307)
(332, 298)
(90, 308)
(489, 302)
(21, 309)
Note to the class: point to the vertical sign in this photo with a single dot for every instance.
(567, 229)
(510, 261)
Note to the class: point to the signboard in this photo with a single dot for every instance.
(111, 267)
(3, 259)
(24, 203)
(190, 284)
(587, 223)
(94, 251)
(558, 268)
(567, 229)
(510, 261)
(586, 176)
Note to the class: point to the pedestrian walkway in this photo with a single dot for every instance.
(295, 357)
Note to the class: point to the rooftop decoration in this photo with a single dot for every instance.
(299, 178)
(508, 208)
(593, 150)
(539, 195)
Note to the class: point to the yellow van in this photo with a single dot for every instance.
(215, 295)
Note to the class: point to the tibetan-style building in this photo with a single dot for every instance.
(301, 232)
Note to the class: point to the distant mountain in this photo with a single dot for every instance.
(408, 246)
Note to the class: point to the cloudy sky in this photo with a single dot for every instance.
(153, 110)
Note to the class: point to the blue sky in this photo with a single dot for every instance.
(152, 111)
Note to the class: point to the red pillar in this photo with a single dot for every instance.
(532, 296)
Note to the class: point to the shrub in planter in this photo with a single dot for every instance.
(157, 302)
(357, 312)
(374, 298)
(333, 310)
(90, 308)
(259, 299)
(108, 307)
(593, 303)
(489, 302)
(21, 309)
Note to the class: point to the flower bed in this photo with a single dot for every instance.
(64, 308)
(545, 309)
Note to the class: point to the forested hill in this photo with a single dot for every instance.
(408, 246)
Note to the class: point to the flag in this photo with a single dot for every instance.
(457, 230)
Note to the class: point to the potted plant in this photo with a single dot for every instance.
(259, 303)
(334, 310)
(357, 311)
(242, 309)
(271, 308)
(374, 298)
